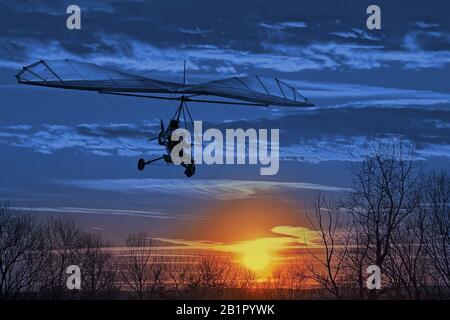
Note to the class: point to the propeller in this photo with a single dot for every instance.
(160, 136)
(162, 130)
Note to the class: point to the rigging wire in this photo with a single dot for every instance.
(199, 138)
(119, 109)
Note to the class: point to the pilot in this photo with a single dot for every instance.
(173, 125)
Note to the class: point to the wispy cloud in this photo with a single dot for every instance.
(355, 34)
(204, 188)
(247, 38)
(337, 132)
(358, 56)
(333, 90)
(128, 53)
(284, 237)
(352, 149)
(427, 41)
(302, 234)
(114, 212)
(284, 25)
(432, 103)
(193, 31)
(425, 25)
(96, 139)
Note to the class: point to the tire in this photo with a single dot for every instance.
(141, 164)
(190, 170)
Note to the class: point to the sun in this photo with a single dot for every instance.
(256, 257)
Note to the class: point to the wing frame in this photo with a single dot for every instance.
(75, 75)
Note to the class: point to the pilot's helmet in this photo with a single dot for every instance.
(174, 124)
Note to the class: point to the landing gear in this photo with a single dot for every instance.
(165, 138)
(141, 164)
(190, 170)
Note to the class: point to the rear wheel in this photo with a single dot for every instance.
(190, 170)
(141, 164)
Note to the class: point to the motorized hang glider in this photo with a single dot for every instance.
(249, 91)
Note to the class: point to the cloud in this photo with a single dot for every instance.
(429, 41)
(18, 127)
(302, 234)
(132, 54)
(125, 36)
(400, 103)
(425, 25)
(193, 31)
(359, 56)
(352, 149)
(114, 212)
(334, 132)
(284, 25)
(355, 34)
(292, 237)
(95, 139)
(203, 188)
(333, 90)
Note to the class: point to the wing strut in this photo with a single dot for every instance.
(183, 98)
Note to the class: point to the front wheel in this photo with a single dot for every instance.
(190, 170)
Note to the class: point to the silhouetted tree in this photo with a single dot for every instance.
(142, 269)
(63, 240)
(21, 255)
(98, 267)
(386, 190)
(436, 204)
(287, 282)
(325, 219)
(179, 271)
(215, 275)
(407, 264)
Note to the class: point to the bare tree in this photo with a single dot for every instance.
(287, 282)
(436, 203)
(21, 258)
(242, 281)
(385, 192)
(98, 267)
(142, 271)
(326, 220)
(407, 264)
(214, 275)
(179, 271)
(297, 278)
(357, 250)
(63, 241)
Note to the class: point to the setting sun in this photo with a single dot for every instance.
(256, 257)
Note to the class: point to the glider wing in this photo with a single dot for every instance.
(68, 74)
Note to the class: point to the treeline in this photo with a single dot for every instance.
(34, 256)
(35, 253)
(395, 217)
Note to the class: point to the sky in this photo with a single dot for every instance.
(75, 153)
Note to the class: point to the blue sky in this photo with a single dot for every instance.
(75, 153)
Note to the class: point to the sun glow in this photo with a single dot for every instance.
(256, 257)
(260, 234)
